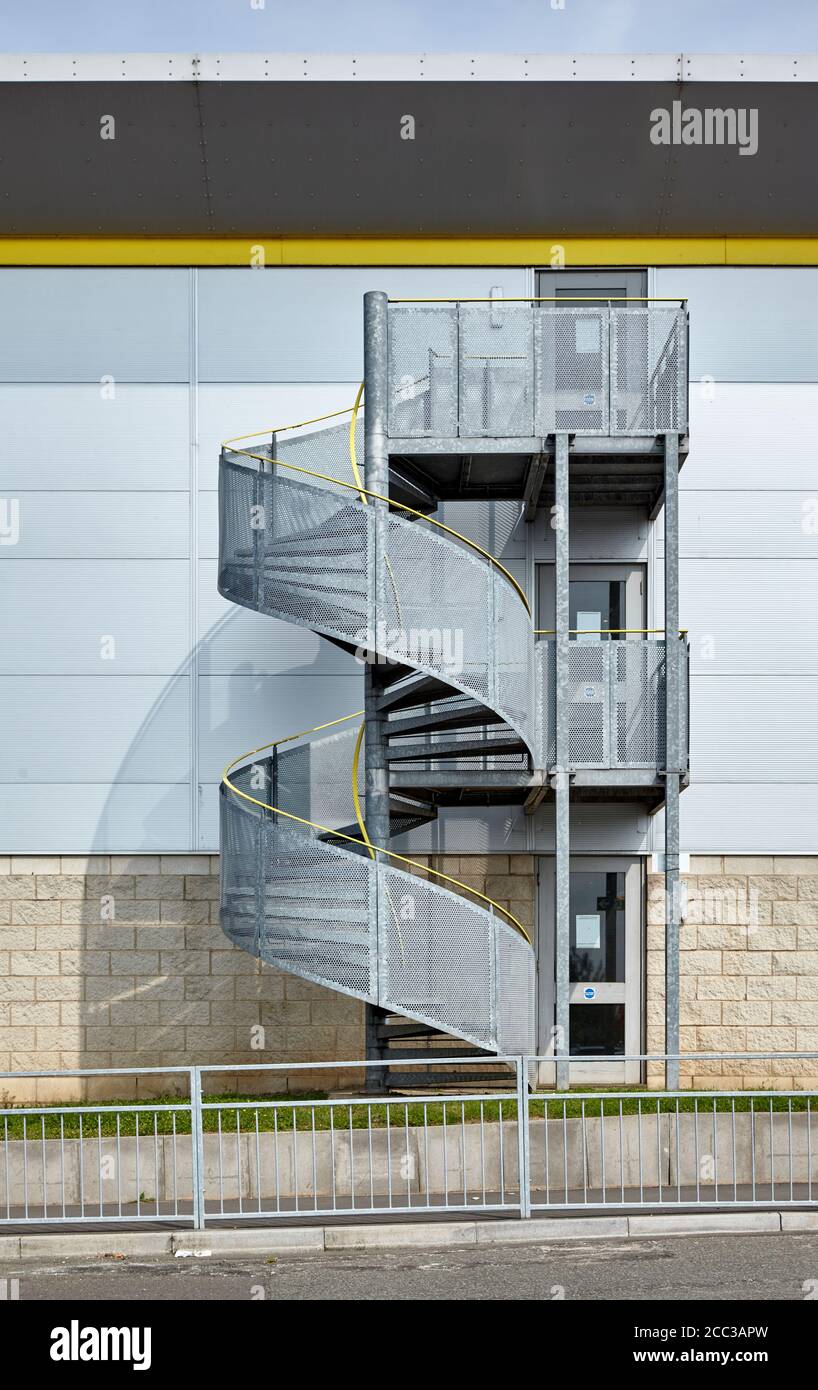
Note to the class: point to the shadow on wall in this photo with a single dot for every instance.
(131, 966)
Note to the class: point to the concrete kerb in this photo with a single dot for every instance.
(295, 1240)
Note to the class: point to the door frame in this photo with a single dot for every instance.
(634, 573)
(633, 282)
(632, 993)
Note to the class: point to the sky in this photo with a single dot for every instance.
(343, 26)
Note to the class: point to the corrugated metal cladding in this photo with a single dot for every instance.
(125, 679)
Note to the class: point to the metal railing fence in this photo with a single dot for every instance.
(192, 1156)
(514, 369)
(616, 703)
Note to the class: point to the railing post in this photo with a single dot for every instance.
(523, 1137)
(197, 1148)
(672, 758)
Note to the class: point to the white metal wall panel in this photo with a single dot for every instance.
(305, 324)
(94, 617)
(75, 436)
(595, 829)
(748, 616)
(227, 409)
(236, 639)
(94, 729)
(208, 818)
(497, 526)
(752, 435)
(208, 526)
(748, 324)
(747, 818)
(82, 324)
(101, 525)
(771, 525)
(759, 729)
(506, 829)
(469, 830)
(240, 712)
(597, 533)
(84, 818)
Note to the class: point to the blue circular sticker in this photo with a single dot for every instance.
(589, 992)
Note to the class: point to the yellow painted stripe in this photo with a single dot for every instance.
(437, 251)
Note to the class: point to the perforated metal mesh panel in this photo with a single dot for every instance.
(616, 703)
(452, 614)
(545, 696)
(588, 696)
(423, 371)
(638, 703)
(437, 957)
(324, 451)
(572, 379)
(648, 370)
(513, 658)
(518, 370)
(294, 550)
(287, 895)
(331, 915)
(516, 984)
(496, 376)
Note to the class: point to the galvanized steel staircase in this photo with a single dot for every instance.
(302, 886)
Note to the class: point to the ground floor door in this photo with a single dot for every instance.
(606, 967)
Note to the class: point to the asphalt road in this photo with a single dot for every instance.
(762, 1267)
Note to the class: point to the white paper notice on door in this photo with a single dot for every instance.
(588, 931)
(589, 626)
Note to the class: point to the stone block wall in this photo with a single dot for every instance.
(112, 961)
(749, 968)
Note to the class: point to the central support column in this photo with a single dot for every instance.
(562, 934)
(672, 757)
(376, 479)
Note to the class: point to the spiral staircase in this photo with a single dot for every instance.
(533, 402)
(449, 635)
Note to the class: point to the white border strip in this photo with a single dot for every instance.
(407, 67)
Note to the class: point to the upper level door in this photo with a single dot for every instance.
(597, 286)
(605, 602)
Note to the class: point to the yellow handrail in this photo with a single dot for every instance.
(550, 631)
(356, 796)
(352, 839)
(554, 299)
(281, 429)
(353, 452)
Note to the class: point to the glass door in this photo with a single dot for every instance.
(605, 968)
(604, 601)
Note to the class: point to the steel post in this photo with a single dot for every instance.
(672, 756)
(376, 479)
(197, 1148)
(562, 932)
